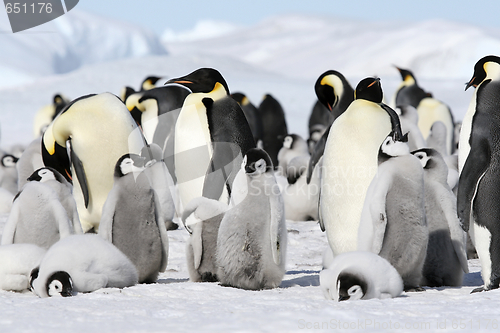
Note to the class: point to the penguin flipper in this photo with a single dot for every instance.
(226, 158)
(160, 221)
(107, 216)
(475, 167)
(61, 218)
(80, 174)
(276, 225)
(319, 150)
(10, 227)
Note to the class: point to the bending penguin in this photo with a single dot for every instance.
(446, 260)
(350, 163)
(479, 156)
(132, 221)
(82, 263)
(251, 244)
(43, 212)
(360, 275)
(211, 136)
(79, 142)
(393, 223)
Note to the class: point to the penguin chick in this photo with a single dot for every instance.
(202, 217)
(251, 244)
(17, 262)
(293, 146)
(393, 221)
(131, 220)
(43, 212)
(446, 259)
(360, 275)
(82, 263)
(8, 179)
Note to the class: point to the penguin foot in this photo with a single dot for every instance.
(414, 289)
(478, 290)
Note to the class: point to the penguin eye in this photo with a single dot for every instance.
(420, 156)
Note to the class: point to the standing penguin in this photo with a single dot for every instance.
(393, 221)
(132, 221)
(43, 212)
(202, 217)
(350, 163)
(97, 129)
(479, 157)
(446, 260)
(274, 126)
(251, 245)
(211, 135)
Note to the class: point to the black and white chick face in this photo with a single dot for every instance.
(9, 161)
(350, 287)
(394, 148)
(42, 175)
(288, 142)
(129, 163)
(59, 284)
(257, 162)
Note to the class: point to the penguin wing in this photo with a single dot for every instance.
(276, 232)
(160, 222)
(10, 227)
(61, 218)
(196, 242)
(319, 150)
(107, 216)
(458, 236)
(373, 216)
(475, 167)
(80, 174)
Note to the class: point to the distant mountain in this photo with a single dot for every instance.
(67, 43)
(305, 46)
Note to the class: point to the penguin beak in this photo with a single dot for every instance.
(179, 81)
(343, 298)
(471, 83)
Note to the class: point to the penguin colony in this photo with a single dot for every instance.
(390, 187)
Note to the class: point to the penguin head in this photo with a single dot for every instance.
(129, 163)
(45, 174)
(329, 87)
(407, 76)
(149, 82)
(486, 68)
(288, 141)
(394, 145)
(9, 161)
(59, 284)
(432, 163)
(203, 80)
(257, 162)
(59, 104)
(369, 89)
(125, 92)
(240, 98)
(350, 286)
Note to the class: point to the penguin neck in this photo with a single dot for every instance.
(492, 71)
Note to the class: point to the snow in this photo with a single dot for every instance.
(282, 56)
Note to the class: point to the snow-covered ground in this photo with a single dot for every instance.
(283, 57)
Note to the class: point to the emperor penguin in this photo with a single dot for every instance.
(9, 176)
(82, 263)
(30, 160)
(251, 244)
(160, 108)
(202, 218)
(479, 155)
(446, 259)
(211, 136)
(274, 126)
(393, 223)
(43, 212)
(80, 142)
(252, 115)
(350, 162)
(360, 275)
(336, 94)
(132, 221)
(48, 113)
(18, 260)
(293, 146)
(429, 109)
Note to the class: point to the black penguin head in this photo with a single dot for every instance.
(329, 88)
(369, 89)
(59, 284)
(202, 80)
(9, 161)
(149, 82)
(407, 76)
(59, 104)
(126, 92)
(45, 174)
(351, 286)
(484, 68)
(257, 162)
(240, 98)
(394, 145)
(129, 163)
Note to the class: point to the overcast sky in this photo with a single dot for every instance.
(179, 15)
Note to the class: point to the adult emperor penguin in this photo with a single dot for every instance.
(350, 163)
(479, 156)
(274, 123)
(43, 212)
(360, 275)
(393, 223)
(202, 217)
(17, 262)
(446, 260)
(336, 94)
(211, 135)
(132, 221)
(82, 263)
(84, 127)
(429, 109)
(251, 244)
(252, 115)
